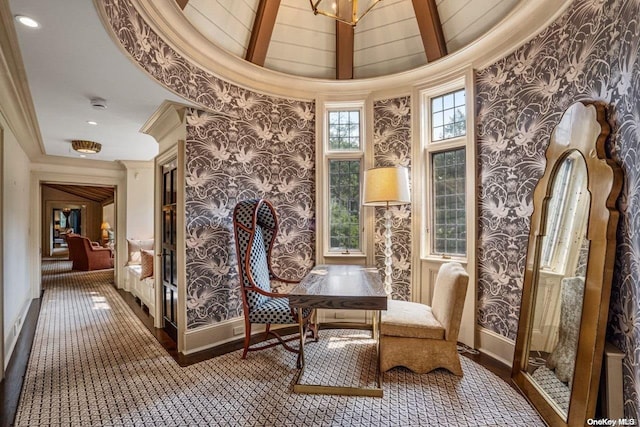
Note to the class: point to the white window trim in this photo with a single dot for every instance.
(322, 175)
(428, 148)
(426, 266)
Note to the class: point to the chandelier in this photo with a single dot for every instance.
(347, 11)
(86, 147)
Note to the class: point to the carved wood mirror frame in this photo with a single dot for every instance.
(583, 129)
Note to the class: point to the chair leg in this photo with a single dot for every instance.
(267, 330)
(247, 337)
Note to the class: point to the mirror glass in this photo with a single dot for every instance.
(559, 286)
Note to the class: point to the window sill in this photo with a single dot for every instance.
(345, 255)
(444, 258)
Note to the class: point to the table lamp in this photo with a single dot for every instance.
(105, 227)
(386, 186)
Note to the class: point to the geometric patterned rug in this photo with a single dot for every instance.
(94, 363)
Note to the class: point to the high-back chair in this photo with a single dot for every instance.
(424, 338)
(255, 227)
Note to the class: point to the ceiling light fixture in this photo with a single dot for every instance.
(27, 21)
(346, 11)
(87, 147)
(92, 123)
(98, 103)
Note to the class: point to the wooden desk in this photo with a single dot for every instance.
(340, 287)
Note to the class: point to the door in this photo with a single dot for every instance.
(169, 253)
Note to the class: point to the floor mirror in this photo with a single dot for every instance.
(569, 268)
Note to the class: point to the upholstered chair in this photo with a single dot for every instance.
(255, 228)
(423, 338)
(87, 255)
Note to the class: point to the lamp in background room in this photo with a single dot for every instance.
(347, 11)
(105, 227)
(386, 186)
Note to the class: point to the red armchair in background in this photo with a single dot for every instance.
(87, 255)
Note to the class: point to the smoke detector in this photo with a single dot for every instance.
(99, 103)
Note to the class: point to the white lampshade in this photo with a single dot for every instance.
(386, 186)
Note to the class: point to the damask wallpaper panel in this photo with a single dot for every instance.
(590, 53)
(245, 145)
(392, 147)
(266, 151)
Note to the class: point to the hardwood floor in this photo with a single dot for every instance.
(11, 386)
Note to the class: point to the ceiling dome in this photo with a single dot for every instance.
(395, 36)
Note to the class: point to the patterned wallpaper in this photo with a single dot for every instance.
(266, 150)
(590, 52)
(248, 145)
(392, 147)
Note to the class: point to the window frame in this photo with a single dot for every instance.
(328, 155)
(429, 148)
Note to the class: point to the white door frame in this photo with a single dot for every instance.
(118, 181)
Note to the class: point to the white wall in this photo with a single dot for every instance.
(16, 208)
(139, 200)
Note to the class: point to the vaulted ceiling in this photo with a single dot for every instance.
(395, 36)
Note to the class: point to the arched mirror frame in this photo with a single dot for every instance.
(588, 132)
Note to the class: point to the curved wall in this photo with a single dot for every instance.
(590, 52)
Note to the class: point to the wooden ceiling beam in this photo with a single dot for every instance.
(430, 29)
(344, 43)
(182, 3)
(262, 30)
(344, 51)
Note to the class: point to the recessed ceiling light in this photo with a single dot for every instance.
(83, 155)
(92, 123)
(27, 22)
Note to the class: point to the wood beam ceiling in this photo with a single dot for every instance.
(430, 29)
(344, 51)
(262, 30)
(103, 195)
(344, 44)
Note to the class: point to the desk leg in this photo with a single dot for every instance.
(377, 321)
(302, 339)
(340, 390)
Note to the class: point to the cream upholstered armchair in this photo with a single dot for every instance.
(424, 338)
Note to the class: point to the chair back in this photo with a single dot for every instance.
(255, 227)
(77, 251)
(448, 298)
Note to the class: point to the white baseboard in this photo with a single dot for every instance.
(207, 337)
(495, 345)
(13, 332)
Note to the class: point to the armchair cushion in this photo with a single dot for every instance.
(411, 320)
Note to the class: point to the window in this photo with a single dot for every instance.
(344, 155)
(448, 118)
(445, 133)
(449, 225)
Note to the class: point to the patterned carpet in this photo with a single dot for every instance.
(94, 363)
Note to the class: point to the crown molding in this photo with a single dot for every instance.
(16, 105)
